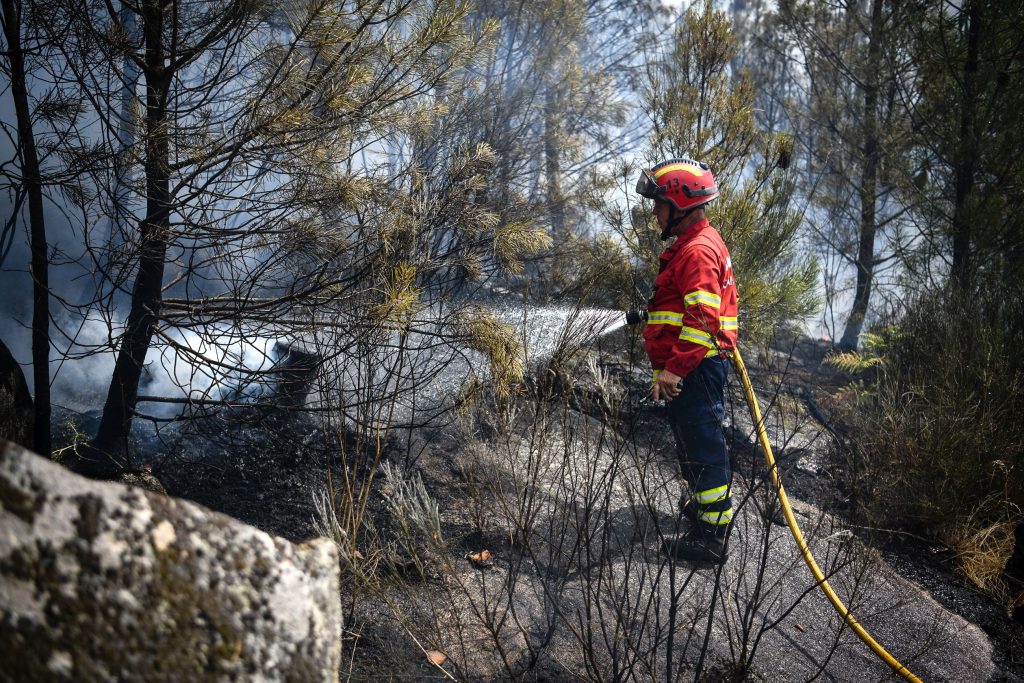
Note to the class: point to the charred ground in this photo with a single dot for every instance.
(268, 469)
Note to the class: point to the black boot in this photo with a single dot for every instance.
(699, 545)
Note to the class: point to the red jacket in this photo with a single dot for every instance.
(692, 313)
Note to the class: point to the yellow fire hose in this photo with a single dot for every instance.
(762, 436)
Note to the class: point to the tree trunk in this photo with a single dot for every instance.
(966, 161)
(109, 450)
(868, 186)
(37, 230)
(553, 165)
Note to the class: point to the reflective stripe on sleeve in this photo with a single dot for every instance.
(702, 297)
(692, 334)
(729, 322)
(654, 380)
(664, 318)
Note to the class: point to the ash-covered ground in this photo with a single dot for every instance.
(269, 469)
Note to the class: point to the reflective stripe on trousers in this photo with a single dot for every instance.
(695, 416)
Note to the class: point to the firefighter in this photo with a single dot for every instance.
(691, 328)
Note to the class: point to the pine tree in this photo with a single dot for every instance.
(549, 98)
(853, 134)
(13, 16)
(261, 204)
(965, 103)
(700, 109)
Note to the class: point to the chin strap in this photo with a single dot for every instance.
(675, 219)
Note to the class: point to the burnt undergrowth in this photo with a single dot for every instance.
(501, 539)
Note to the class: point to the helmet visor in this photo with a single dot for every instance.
(647, 185)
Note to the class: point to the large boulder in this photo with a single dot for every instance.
(100, 581)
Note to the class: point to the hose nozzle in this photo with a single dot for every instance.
(635, 316)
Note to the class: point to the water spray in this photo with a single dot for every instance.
(635, 316)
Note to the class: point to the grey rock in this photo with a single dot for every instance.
(601, 585)
(105, 582)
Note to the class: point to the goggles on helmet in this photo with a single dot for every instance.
(647, 185)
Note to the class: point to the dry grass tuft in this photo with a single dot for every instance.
(983, 550)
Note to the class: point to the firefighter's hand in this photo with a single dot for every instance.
(667, 386)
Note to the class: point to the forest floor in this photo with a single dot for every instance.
(925, 562)
(269, 474)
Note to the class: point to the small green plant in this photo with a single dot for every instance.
(413, 507)
(872, 354)
(72, 439)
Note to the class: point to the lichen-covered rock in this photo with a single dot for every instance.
(103, 582)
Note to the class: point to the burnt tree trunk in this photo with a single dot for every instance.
(109, 452)
(966, 161)
(868, 189)
(33, 186)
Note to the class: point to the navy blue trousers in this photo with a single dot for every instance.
(696, 418)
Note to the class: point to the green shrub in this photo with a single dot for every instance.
(939, 438)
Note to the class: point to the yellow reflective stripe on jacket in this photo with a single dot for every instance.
(717, 518)
(712, 495)
(654, 380)
(692, 334)
(729, 322)
(701, 297)
(664, 318)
